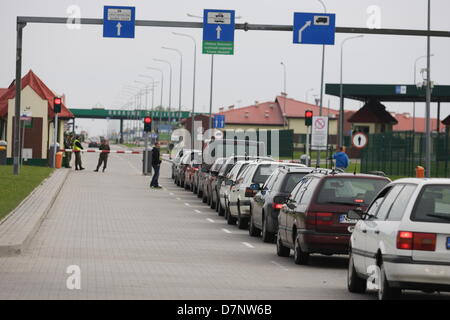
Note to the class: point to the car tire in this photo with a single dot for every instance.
(267, 236)
(253, 231)
(355, 284)
(282, 251)
(199, 193)
(242, 222)
(300, 257)
(212, 204)
(220, 211)
(204, 197)
(385, 291)
(230, 219)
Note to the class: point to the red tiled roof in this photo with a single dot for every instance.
(372, 112)
(446, 121)
(2, 92)
(296, 109)
(405, 123)
(32, 80)
(267, 113)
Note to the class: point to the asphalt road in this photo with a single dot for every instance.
(131, 242)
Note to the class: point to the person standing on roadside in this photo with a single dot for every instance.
(68, 145)
(103, 158)
(76, 148)
(341, 158)
(156, 165)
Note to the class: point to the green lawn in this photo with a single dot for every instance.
(13, 189)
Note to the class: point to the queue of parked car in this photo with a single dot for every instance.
(396, 234)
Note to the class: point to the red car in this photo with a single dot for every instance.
(314, 218)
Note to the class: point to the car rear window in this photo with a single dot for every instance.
(342, 190)
(433, 204)
(263, 172)
(291, 181)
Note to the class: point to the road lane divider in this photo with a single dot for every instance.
(226, 230)
(210, 220)
(248, 245)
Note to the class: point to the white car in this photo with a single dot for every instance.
(403, 240)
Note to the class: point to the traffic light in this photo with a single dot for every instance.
(57, 104)
(308, 118)
(147, 124)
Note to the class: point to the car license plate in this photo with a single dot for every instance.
(344, 219)
(448, 243)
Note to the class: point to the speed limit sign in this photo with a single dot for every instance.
(359, 140)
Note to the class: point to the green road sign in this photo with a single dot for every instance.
(218, 47)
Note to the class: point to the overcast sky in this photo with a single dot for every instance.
(92, 70)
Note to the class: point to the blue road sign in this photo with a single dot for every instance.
(219, 121)
(218, 31)
(119, 22)
(314, 28)
(218, 25)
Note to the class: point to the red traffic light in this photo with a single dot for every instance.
(148, 120)
(57, 101)
(308, 114)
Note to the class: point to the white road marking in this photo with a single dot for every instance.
(226, 230)
(171, 194)
(248, 245)
(210, 220)
(178, 198)
(279, 265)
(197, 211)
(187, 204)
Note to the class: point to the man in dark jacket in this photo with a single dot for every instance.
(103, 158)
(156, 164)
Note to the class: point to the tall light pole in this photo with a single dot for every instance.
(170, 86)
(341, 93)
(181, 80)
(284, 93)
(162, 89)
(152, 86)
(428, 105)
(415, 83)
(193, 94)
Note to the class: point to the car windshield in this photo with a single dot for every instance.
(263, 172)
(291, 181)
(342, 190)
(433, 204)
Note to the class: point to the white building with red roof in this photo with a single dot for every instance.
(37, 102)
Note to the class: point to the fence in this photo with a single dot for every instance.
(399, 153)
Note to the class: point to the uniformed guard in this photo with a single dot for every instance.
(77, 147)
(103, 158)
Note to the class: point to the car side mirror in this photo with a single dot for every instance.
(205, 170)
(229, 182)
(356, 214)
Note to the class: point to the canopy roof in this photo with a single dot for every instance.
(388, 92)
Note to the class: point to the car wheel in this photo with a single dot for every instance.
(194, 189)
(212, 203)
(386, 292)
(300, 257)
(282, 251)
(242, 222)
(253, 231)
(355, 284)
(199, 193)
(267, 236)
(220, 211)
(230, 219)
(204, 198)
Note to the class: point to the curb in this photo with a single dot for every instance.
(19, 227)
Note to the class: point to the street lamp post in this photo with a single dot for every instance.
(193, 94)
(170, 85)
(341, 93)
(428, 105)
(181, 80)
(162, 89)
(284, 93)
(153, 85)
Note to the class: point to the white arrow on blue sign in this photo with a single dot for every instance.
(314, 28)
(119, 22)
